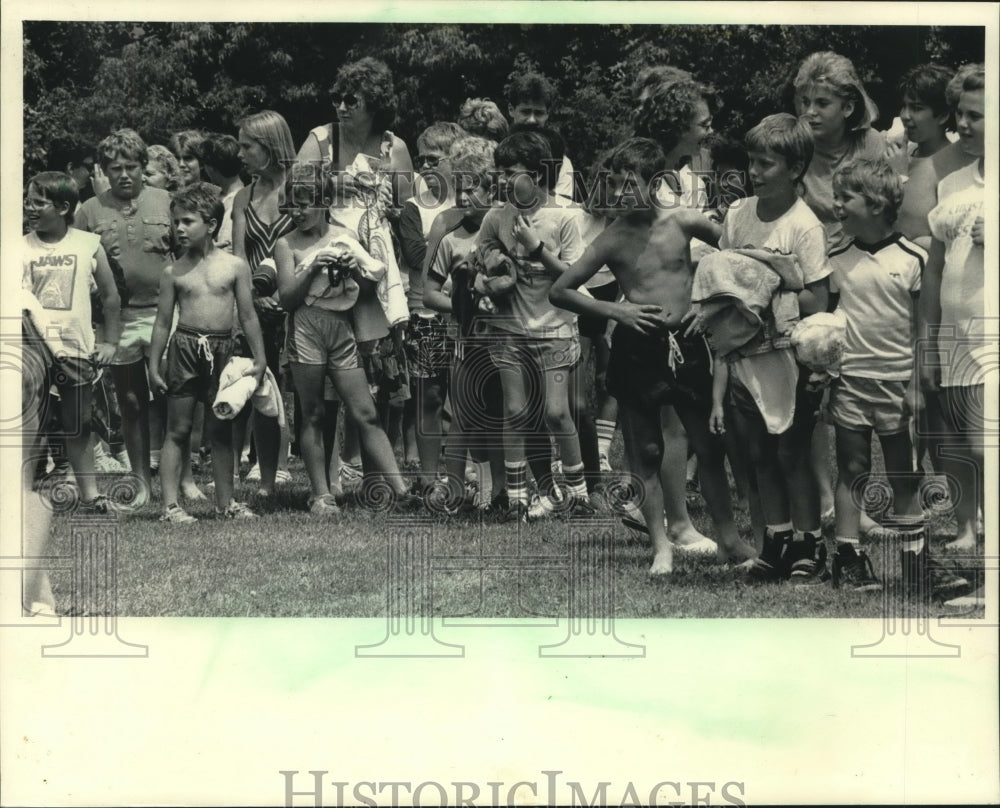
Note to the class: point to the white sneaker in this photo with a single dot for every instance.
(253, 476)
(123, 461)
(282, 477)
(541, 508)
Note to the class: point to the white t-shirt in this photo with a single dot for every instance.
(876, 284)
(771, 377)
(796, 232)
(61, 277)
(963, 304)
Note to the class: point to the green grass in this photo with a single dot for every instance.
(290, 564)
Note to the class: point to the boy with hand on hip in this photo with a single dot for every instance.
(653, 363)
(203, 284)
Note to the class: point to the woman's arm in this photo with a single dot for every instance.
(240, 222)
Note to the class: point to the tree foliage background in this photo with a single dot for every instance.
(81, 80)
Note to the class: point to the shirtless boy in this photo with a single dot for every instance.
(203, 283)
(652, 363)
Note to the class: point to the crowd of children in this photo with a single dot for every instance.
(686, 292)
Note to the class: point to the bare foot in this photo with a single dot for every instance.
(686, 534)
(663, 562)
(192, 493)
(735, 552)
(867, 524)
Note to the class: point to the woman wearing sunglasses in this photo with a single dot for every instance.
(373, 173)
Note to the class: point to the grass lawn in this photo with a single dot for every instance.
(291, 564)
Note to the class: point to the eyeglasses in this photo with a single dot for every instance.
(36, 203)
(350, 100)
(429, 160)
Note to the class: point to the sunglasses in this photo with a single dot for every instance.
(429, 160)
(350, 100)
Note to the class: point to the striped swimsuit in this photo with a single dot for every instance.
(261, 238)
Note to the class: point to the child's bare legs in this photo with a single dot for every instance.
(411, 439)
(674, 493)
(75, 412)
(643, 439)
(515, 410)
(767, 491)
(853, 462)
(583, 418)
(961, 456)
(308, 381)
(430, 400)
(711, 452)
(180, 413)
(132, 390)
(353, 391)
(189, 489)
(220, 433)
(795, 456)
(820, 466)
(897, 452)
(267, 438)
(558, 417)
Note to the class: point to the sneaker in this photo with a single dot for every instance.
(98, 504)
(350, 474)
(852, 569)
(105, 463)
(810, 567)
(282, 477)
(123, 461)
(175, 514)
(324, 505)
(770, 566)
(516, 512)
(974, 600)
(541, 508)
(253, 476)
(235, 510)
(922, 572)
(581, 508)
(408, 502)
(605, 464)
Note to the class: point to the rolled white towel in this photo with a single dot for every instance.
(235, 389)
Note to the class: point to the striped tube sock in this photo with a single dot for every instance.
(605, 432)
(517, 481)
(574, 481)
(911, 533)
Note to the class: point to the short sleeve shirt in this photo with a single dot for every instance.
(876, 284)
(137, 235)
(528, 310)
(61, 276)
(796, 232)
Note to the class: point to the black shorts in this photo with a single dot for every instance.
(195, 360)
(664, 368)
(593, 328)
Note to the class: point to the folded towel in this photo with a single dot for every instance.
(736, 289)
(235, 390)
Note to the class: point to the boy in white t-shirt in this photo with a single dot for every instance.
(877, 278)
(772, 403)
(60, 265)
(959, 351)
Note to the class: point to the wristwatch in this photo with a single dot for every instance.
(536, 254)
